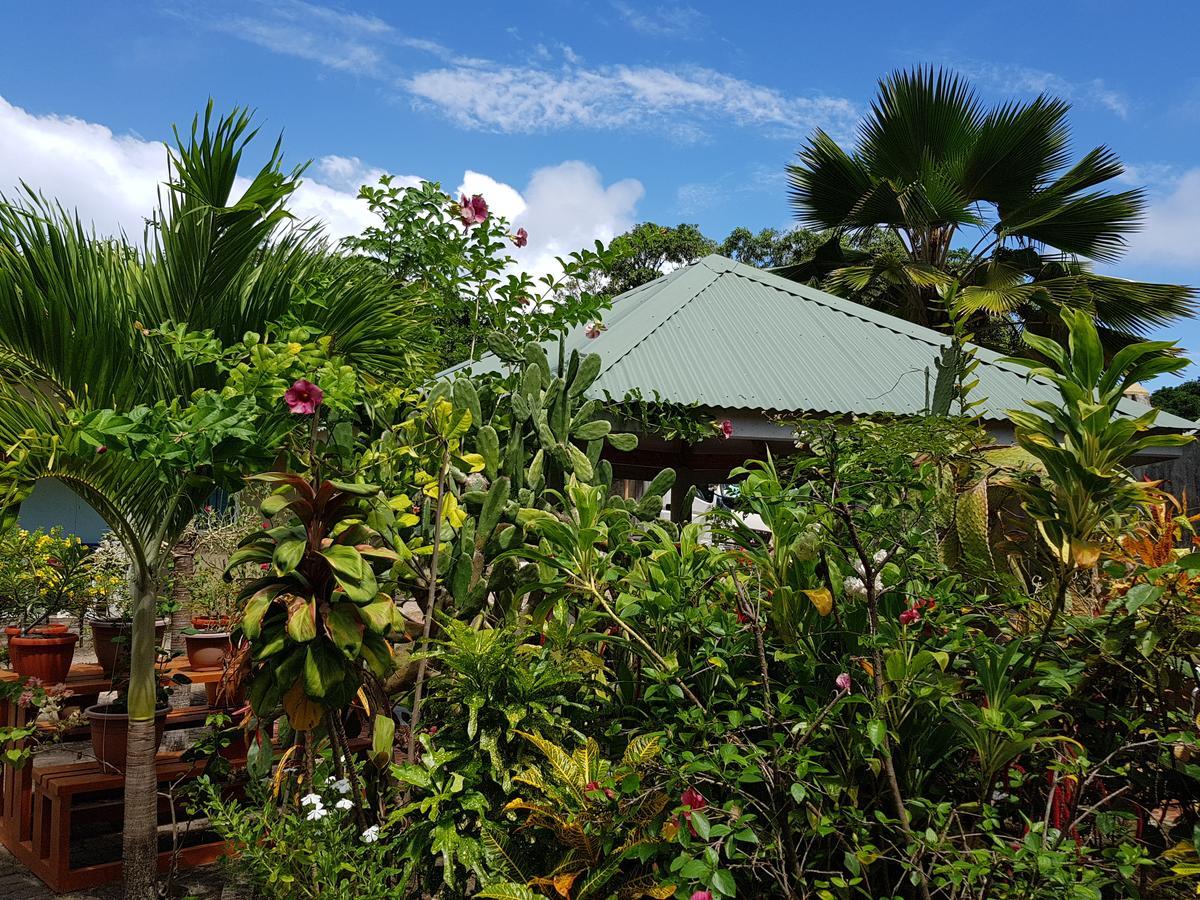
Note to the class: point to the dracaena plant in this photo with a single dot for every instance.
(318, 618)
(1084, 443)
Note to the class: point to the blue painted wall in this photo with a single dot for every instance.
(53, 503)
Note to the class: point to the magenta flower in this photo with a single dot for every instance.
(304, 397)
(521, 238)
(693, 799)
(593, 330)
(726, 429)
(909, 616)
(702, 895)
(843, 682)
(101, 450)
(472, 210)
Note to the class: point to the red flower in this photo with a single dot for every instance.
(702, 895)
(693, 799)
(101, 450)
(265, 566)
(521, 238)
(726, 428)
(304, 397)
(910, 615)
(472, 210)
(266, 524)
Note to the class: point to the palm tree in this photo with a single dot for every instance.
(985, 197)
(73, 309)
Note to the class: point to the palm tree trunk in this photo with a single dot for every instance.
(141, 782)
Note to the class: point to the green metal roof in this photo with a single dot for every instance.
(729, 336)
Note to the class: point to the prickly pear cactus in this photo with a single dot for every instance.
(535, 430)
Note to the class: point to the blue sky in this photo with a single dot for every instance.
(578, 117)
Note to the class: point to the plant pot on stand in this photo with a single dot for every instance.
(209, 651)
(43, 656)
(110, 733)
(110, 638)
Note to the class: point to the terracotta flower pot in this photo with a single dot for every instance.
(110, 733)
(105, 632)
(210, 623)
(50, 628)
(208, 650)
(47, 656)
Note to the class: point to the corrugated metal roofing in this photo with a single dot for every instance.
(729, 336)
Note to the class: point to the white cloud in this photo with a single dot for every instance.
(527, 99)
(535, 95)
(1169, 235)
(672, 20)
(564, 208)
(112, 181)
(344, 41)
(1016, 79)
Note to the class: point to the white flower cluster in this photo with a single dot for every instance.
(316, 802)
(856, 586)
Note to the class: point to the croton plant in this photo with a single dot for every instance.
(319, 616)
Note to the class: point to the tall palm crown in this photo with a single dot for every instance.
(74, 308)
(221, 254)
(984, 196)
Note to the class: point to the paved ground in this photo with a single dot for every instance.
(16, 883)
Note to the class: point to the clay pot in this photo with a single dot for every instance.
(210, 623)
(237, 749)
(208, 650)
(110, 733)
(51, 628)
(47, 657)
(104, 631)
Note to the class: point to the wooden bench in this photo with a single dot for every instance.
(83, 793)
(15, 784)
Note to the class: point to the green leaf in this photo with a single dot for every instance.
(288, 554)
(507, 890)
(352, 573)
(346, 627)
(256, 608)
(377, 616)
(877, 733)
(383, 735)
(700, 822)
(722, 880)
(322, 672)
(302, 620)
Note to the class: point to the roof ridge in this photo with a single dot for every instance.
(712, 276)
(878, 318)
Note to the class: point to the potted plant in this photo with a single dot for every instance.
(108, 611)
(110, 721)
(41, 573)
(212, 596)
(209, 641)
